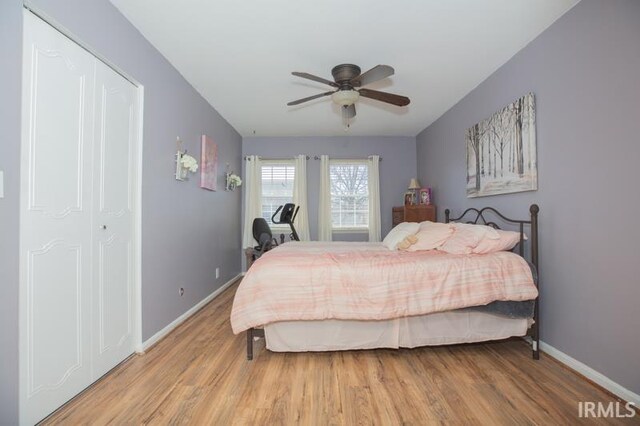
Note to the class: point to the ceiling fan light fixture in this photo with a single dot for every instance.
(345, 97)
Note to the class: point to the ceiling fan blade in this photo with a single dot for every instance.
(389, 98)
(349, 111)
(315, 78)
(310, 98)
(374, 74)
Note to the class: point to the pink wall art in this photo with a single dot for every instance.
(209, 164)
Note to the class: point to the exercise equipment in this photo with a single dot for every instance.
(288, 216)
(262, 231)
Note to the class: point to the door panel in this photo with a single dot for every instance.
(114, 179)
(56, 78)
(55, 220)
(54, 356)
(114, 301)
(117, 130)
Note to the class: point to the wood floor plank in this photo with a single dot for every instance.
(199, 375)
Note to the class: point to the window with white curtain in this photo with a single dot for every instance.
(349, 195)
(277, 186)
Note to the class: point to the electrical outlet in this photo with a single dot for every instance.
(217, 273)
(181, 291)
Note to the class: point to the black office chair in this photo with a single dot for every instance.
(262, 234)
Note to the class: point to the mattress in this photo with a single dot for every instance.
(443, 328)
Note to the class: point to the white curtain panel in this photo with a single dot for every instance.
(374, 198)
(324, 210)
(252, 197)
(300, 198)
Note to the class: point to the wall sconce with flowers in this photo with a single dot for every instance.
(232, 180)
(185, 163)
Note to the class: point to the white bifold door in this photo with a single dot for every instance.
(77, 219)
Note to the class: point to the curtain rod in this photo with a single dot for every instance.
(246, 157)
(315, 157)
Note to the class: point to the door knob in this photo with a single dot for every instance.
(103, 226)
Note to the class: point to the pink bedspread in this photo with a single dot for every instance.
(366, 281)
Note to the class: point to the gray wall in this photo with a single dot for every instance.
(584, 71)
(186, 231)
(10, 81)
(397, 167)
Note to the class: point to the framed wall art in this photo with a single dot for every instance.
(209, 164)
(501, 151)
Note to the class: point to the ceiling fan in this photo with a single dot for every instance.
(347, 78)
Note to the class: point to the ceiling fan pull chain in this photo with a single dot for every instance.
(345, 118)
(343, 112)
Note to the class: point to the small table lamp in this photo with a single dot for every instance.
(414, 185)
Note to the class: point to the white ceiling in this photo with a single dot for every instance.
(239, 54)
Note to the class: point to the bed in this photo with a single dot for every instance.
(318, 296)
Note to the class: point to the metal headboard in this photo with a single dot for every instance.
(475, 216)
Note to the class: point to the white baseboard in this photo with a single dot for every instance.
(182, 318)
(592, 374)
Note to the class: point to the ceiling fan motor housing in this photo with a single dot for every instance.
(343, 73)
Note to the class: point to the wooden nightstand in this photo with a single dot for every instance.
(248, 252)
(414, 213)
(398, 215)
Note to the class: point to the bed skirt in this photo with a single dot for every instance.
(442, 328)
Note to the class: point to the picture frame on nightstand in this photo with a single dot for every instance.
(409, 198)
(424, 196)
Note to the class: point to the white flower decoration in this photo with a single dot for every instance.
(235, 179)
(189, 163)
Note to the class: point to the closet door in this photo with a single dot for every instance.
(55, 220)
(114, 200)
(77, 212)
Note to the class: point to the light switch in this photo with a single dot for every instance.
(1, 184)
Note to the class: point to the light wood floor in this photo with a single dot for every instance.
(199, 375)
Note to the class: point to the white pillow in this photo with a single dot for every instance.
(399, 233)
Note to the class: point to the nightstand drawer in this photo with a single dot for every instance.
(415, 213)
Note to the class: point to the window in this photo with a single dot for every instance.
(349, 195)
(277, 186)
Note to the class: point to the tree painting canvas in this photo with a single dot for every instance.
(501, 151)
(209, 164)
